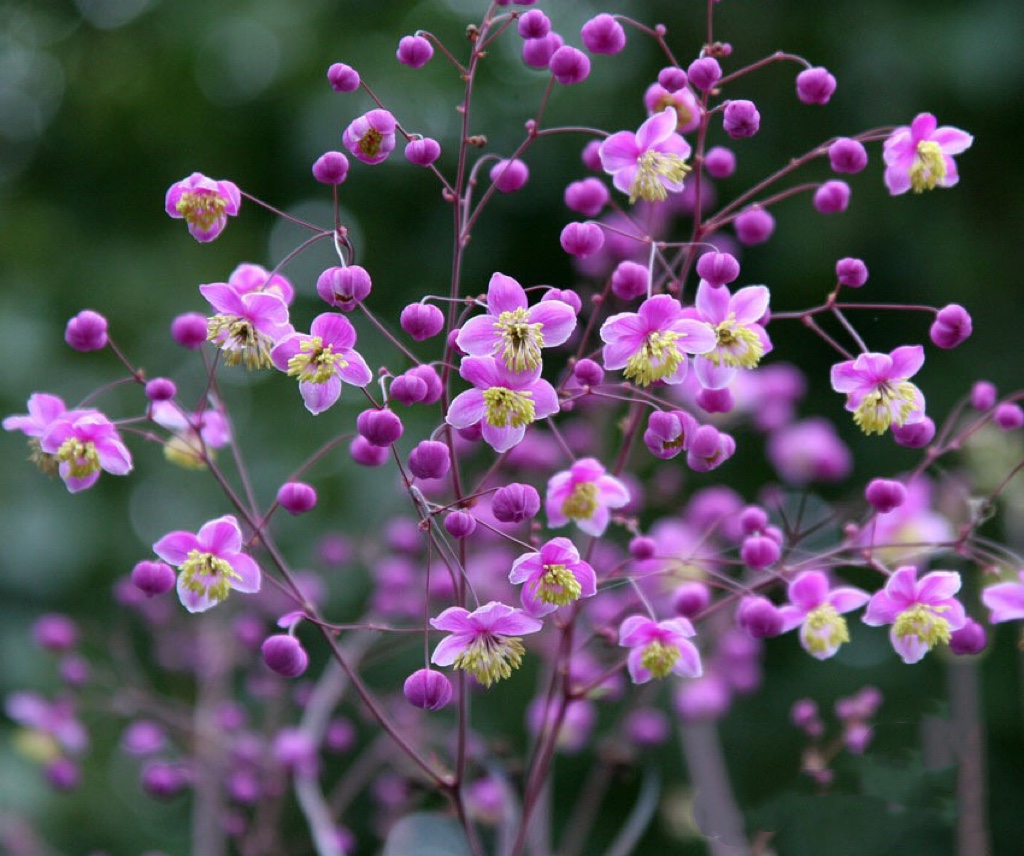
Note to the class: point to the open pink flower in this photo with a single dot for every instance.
(210, 563)
(651, 344)
(44, 410)
(741, 340)
(650, 163)
(321, 360)
(923, 613)
(659, 647)
(584, 494)
(204, 203)
(486, 642)
(246, 326)
(817, 611)
(195, 435)
(511, 330)
(878, 392)
(83, 442)
(505, 402)
(371, 137)
(919, 157)
(1005, 601)
(553, 577)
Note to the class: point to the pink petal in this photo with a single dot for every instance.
(750, 303)
(712, 376)
(910, 647)
(619, 151)
(220, 536)
(174, 547)
(558, 320)
(504, 294)
(712, 303)
(466, 409)
(478, 336)
(248, 572)
(657, 129)
(938, 586)
(688, 665)
(847, 599)
(637, 630)
(334, 329)
(634, 663)
(1005, 601)
(923, 126)
(453, 619)
(449, 648)
(809, 590)
(545, 400)
(526, 566)
(318, 397)
(906, 361)
(951, 140)
(357, 372)
(502, 439)
(223, 298)
(897, 179)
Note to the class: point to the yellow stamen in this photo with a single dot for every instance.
(369, 145)
(522, 340)
(824, 630)
(490, 658)
(875, 413)
(506, 407)
(737, 345)
(82, 458)
(208, 575)
(315, 363)
(186, 451)
(923, 621)
(657, 358)
(240, 341)
(659, 658)
(581, 503)
(928, 168)
(48, 464)
(201, 208)
(650, 169)
(558, 585)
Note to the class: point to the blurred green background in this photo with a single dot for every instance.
(105, 103)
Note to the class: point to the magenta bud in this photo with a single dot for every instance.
(969, 639)
(153, 578)
(759, 552)
(296, 497)
(62, 774)
(753, 519)
(160, 389)
(689, 599)
(914, 436)
(885, 495)
(582, 239)
(815, 86)
(423, 151)
(951, 327)
(430, 459)
(427, 689)
(647, 726)
(720, 162)
(759, 617)
(567, 296)
(591, 155)
(672, 78)
(343, 78)
(408, 389)
(718, 268)
(715, 400)
(754, 226)
(642, 548)
(87, 331)
(847, 156)
(569, 65)
(344, 287)
(414, 51)
(534, 25)
(704, 73)
(190, 330)
(430, 377)
(1008, 416)
(587, 197)
(509, 175)
(422, 320)
(832, 197)
(163, 781)
(537, 53)
(460, 524)
(852, 273)
(366, 454)
(284, 655)
(330, 168)
(55, 632)
(630, 280)
(588, 373)
(602, 34)
(741, 119)
(515, 503)
(379, 427)
(74, 670)
(983, 395)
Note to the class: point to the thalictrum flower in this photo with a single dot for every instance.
(553, 577)
(919, 156)
(659, 647)
(512, 331)
(817, 611)
(878, 391)
(923, 613)
(1005, 601)
(584, 494)
(371, 137)
(486, 642)
(651, 344)
(83, 443)
(43, 411)
(322, 360)
(195, 435)
(741, 340)
(249, 277)
(650, 163)
(505, 402)
(246, 326)
(210, 563)
(204, 203)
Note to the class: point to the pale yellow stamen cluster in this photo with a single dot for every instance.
(369, 145)
(581, 503)
(558, 585)
(929, 167)
(522, 340)
(925, 623)
(201, 208)
(208, 575)
(659, 658)
(82, 458)
(651, 167)
(875, 413)
(824, 630)
(508, 408)
(240, 341)
(186, 451)
(315, 363)
(658, 357)
(48, 464)
(737, 345)
(490, 658)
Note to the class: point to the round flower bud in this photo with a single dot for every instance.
(581, 239)
(1008, 416)
(603, 35)
(460, 524)
(642, 548)
(647, 726)
(430, 459)
(630, 280)
(153, 578)
(672, 78)
(344, 287)
(429, 376)
(689, 599)
(852, 273)
(715, 400)
(423, 151)
(951, 327)
(414, 51)
(537, 53)
(515, 503)
(87, 331)
(759, 617)
(143, 737)
(534, 25)
(366, 454)
(569, 65)
(914, 436)
(160, 389)
(163, 781)
(330, 168)
(753, 519)
(832, 197)
(703, 700)
(720, 162)
(885, 495)
(983, 395)
(718, 269)
(62, 774)
(427, 689)
(567, 296)
(969, 639)
(190, 330)
(74, 670)
(741, 119)
(587, 197)
(408, 389)
(759, 552)
(847, 156)
(815, 86)
(296, 497)
(284, 655)
(422, 320)
(591, 156)
(343, 78)
(588, 373)
(509, 175)
(704, 73)
(55, 632)
(754, 226)
(379, 427)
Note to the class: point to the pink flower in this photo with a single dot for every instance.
(922, 613)
(659, 647)
(83, 442)
(1005, 601)
(584, 494)
(248, 277)
(909, 533)
(211, 563)
(513, 332)
(741, 340)
(650, 163)
(878, 391)
(322, 360)
(553, 577)
(505, 402)
(486, 642)
(817, 611)
(371, 137)
(246, 326)
(919, 157)
(204, 203)
(657, 99)
(195, 435)
(652, 343)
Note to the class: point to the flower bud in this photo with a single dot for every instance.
(759, 552)
(87, 331)
(720, 162)
(427, 689)
(515, 503)
(741, 119)
(591, 156)
(414, 51)
(190, 330)
(163, 781)
(534, 25)
(689, 599)
(832, 197)
(537, 53)
(55, 632)
(366, 454)
(569, 65)
(753, 519)
(952, 326)
(672, 78)
(588, 373)
(153, 578)
(815, 86)
(704, 73)
(759, 617)
(296, 497)
(343, 78)
(642, 548)
(460, 524)
(379, 427)
(983, 395)
(284, 655)
(582, 239)
(715, 400)
(62, 774)
(718, 269)
(602, 34)
(630, 280)
(430, 459)
(344, 287)
(567, 296)
(914, 436)
(885, 495)
(408, 389)
(847, 156)
(754, 226)
(852, 273)
(429, 376)
(1008, 416)
(969, 639)
(422, 320)
(509, 175)
(161, 389)
(331, 168)
(587, 197)
(422, 151)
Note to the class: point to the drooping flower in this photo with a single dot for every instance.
(650, 163)
(195, 435)
(878, 391)
(688, 113)
(923, 613)
(659, 647)
(584, 494)
(246, 326)
(371, 137)
(204, 203)
(83, 443)
(553, 577)
(44, 410)
(53, 729)
(919, 156)
(486, 642)
(741, 340)
(512, 331)
(503, 402)
(322, 360)
(1005, 601)
(210, 563)
(651, 344)
(817, 611)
